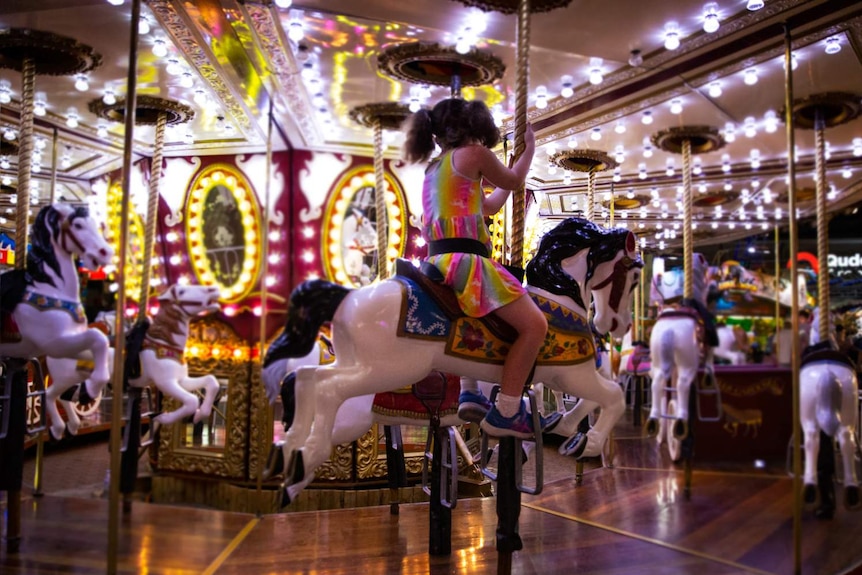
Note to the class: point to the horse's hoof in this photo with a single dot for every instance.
(53, 439)
(809, 493)
(295, 468)
(851, 497)
(575, 445)
(651, 427)
(680, 429)
(274, 462)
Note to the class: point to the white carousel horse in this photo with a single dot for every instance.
(675, 354)
(45, 303)
(828, 402)
(575, 257)
(161, 362)
(733, 344)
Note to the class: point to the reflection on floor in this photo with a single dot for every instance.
(632, 518)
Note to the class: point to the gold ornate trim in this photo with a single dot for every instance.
(832, 108)
(584, 160)
(511, 6)
(703, 139)
(51, 54)
(147, 110)
(627, 203)
(430, 63)
(389, 115)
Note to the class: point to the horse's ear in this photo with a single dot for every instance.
(631, 242)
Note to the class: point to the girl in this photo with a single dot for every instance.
(459, 242)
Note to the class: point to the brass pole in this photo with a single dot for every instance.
(119, 335)
(794, 293)
(687, 238)
(522, 80)
(25, 160)
(152, 215)
(591, 196)
(380, 203)
(264, 251)
(822, 224)
(775, 343)
(54, 142)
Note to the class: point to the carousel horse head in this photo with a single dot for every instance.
(64, 229)
(192, 300)
(610, 271)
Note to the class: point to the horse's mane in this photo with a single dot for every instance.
(45, 230)
(167, 322)
(569, 237)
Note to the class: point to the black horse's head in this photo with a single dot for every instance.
(44, 234)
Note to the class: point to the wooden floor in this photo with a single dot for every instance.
(629, 519)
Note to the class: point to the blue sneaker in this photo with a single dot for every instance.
(519, 425)
(473, 406)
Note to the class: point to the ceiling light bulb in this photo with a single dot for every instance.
(109, 98)
(770, 121)
(283, 3)
(729, 132)
(669, 171)
(750, 77)
(710, 18)
(295, 31)
(462, 45)
(620, 128)
(102, 130)
(160, 48)
(642, 173)
(174, 68)
(5, 91)
(715, 89)
(115, 2)
(596, 77)
(847, 173)
(144, 25)
(81, 83)
(697, 169)
(220, 123)
(568, 87)
(647, 117)
(750, 127)
(572, 143)
(671, 36)
(596, 134)
(647, 150)
(200, 97)
(833, 45)
(72, 117)
(857, 147)
(187, 80)
(635, 58)
(676, 106)
(754, 5)
(541, 97)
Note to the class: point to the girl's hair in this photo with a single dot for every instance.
(452, 122)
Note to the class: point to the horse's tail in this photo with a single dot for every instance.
(828, 403)
(312, 303)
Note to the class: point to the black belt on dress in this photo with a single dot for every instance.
(457, 245)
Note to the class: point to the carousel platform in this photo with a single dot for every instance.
(632, 518)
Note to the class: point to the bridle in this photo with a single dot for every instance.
(617, 279)
(67, 232)
(184, 304)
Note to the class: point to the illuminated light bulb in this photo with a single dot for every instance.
(65, 162)
(596, 71)
(144, 25)
(200, 97)
(115, 2)
(702, 188)
(567, 90)
(552, 169)
(671, 36)
(754, 5)
(847, 173)
(749, 127)
(755, 158)
(750, 77)
(283, 3)
(647, 150)
(295, 31)
(187, 80)
(109, 98)
(4, 163)
(572, 143)
(715, 89)
(220, 123)
(174, 68)
(102, 130)
(81, 83)
(6, 180)
(40, 104)
(617, 175)
(833, 45)
(5, 91)
(596, 134)
(620, 128)
(72, 117)
(729, 132)
(9, 134)
(646, 118)
(710, 18)
(415, 106)
(175, 260)
(160, 48)
(770, 121)
(669, 171)
(462, 45)
(676, 106)
(541, 97)
(642, 173)
(728, 187)
(697, 169)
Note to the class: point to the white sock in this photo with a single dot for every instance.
(508, 405)
(469, 384)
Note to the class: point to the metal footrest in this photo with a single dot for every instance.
(708, 385)
(448, 465)
(518, 459)
(36, 398)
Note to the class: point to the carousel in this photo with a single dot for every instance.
(211, 261)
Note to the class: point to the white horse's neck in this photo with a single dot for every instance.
(170, 326)
(66, 285)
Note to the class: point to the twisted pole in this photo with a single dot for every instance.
(590, 210)
(822, 224)
(25, 159)
(516, 257)
(152, 214)
(380, 203)
(687, 238)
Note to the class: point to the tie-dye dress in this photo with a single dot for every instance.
(452, 205)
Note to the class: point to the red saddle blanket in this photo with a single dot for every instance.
(405, 403)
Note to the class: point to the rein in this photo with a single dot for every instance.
(618, 277)
(66, 232)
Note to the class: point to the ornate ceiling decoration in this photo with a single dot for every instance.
(831, 108)
(433, 64)
(584, 160)
(703, 139)
(388, 115)
(50, 54)
(147, 110)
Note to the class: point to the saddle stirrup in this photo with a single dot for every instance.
(708, 385)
